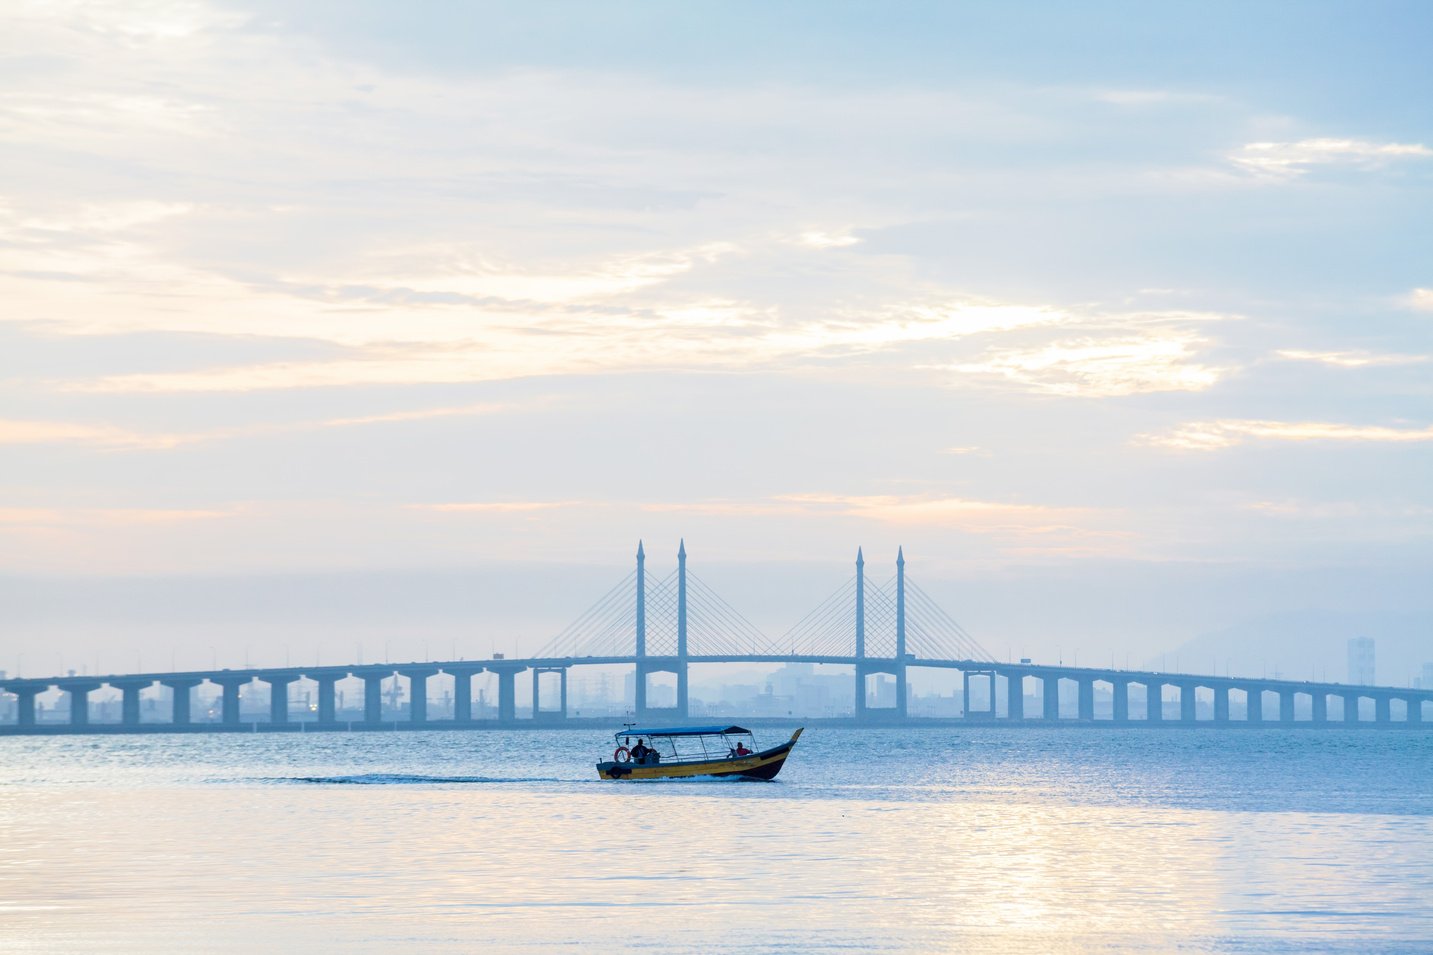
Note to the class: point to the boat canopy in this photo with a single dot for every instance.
(686, 731)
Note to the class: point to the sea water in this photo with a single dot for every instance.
(1023, 839)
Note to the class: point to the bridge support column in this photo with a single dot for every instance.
(1153, 702)
(1350, 707)
(1382, 711)
(80, 702)
(373, 697)
(1014, 696)
(1050, 696)
(327, 697)
(418, 692)
(1119, 704)
(1286, 706)
(25, 704)
(229, 712)
(463, 694)
(507, 696)
(1188, 712)
(1415, 709)
(1087, 699)
(1255, 704)
(181, 714)
(129, 701)
(278, 698)
(1221, 704)
(1319, 705)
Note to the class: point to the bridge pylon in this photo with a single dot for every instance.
(866, 664)
(646, 664)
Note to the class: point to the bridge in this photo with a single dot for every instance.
(669, 625)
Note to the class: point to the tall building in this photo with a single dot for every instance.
(1360, 661)
(1427, 676)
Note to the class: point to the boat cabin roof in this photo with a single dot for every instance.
(686, 731)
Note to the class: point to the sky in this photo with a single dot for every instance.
(361, 324)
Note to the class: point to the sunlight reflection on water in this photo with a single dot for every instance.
(1013, 840)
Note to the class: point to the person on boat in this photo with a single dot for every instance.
(741, 749)
(639, 752)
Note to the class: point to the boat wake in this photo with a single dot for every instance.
(406, 779)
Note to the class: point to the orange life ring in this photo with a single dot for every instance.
(621, 755)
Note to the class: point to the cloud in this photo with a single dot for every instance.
(498, 507)
(111, 516)
(1420, 299)
(420, 414)
(102, 436)
(948, 512)
(1288, 160)
(1216, 435)
(144, 22)
(839, 239)
(108, 437)
(1341, 510)
(1350, 359)
(702, 334)
(1102, 367)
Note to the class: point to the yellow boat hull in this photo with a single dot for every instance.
(763, 765)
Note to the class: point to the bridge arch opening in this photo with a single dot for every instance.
(484, 688)
(442, 696)
(661, 691)
(979, 694)
(393, 694)
(303, 700)
(253, 702)
(105, 705)
(1029, 690)
(550, 686)
(1201, 705)
(599, 691)
(880, 691)
(1103, 694)
(206, 700)
(348, 699)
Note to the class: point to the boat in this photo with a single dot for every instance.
(673, 753)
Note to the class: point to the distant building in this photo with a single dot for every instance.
(1360, 661)
(1427, 682)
